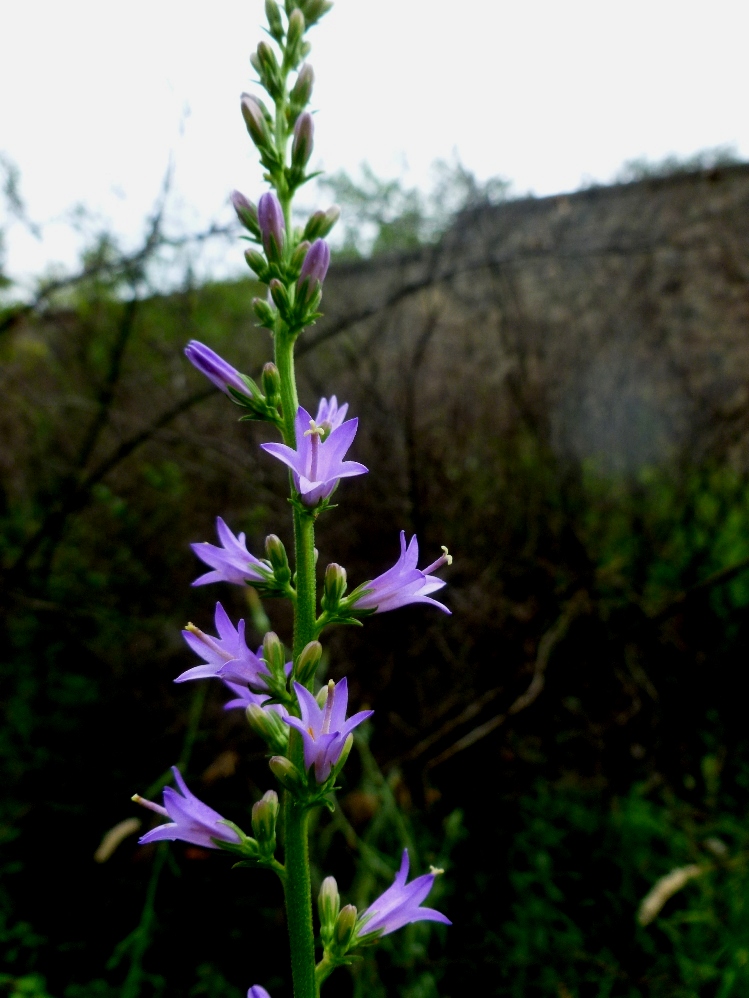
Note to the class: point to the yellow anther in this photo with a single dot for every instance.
(448, 557)
(436, 871)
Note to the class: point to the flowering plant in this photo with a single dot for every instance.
(306, 729)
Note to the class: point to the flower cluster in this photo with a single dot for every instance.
(301, 718)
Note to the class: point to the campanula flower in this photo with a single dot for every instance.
(324, 729)
(404, 582)
(226, 656)
(191, 820)
(330, 415)
(317, 464)
(231, 562)
(215, 368)
(399, 905)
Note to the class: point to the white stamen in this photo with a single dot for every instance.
(315, 432)
(328, 708)
(136, 798)
(435, 870)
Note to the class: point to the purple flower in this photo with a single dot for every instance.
(191, 819)
(314, 269)
(399, 905)
(257, 992)
(215, 368)
(404, 582)
(244, 698)
(226, 656)
(272, 225)
(318, 466)
(330, 415)
(324, 729)
(232, 562)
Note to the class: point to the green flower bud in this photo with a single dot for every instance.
(246, 212)
(264, 815)
(295, 30)
(306, 664)
(302, 89)
(276, 554)
(335, 587)
(274, 656)
(320, 224)
(274, 20)
(297, 259)
(328, 907)
(315, 9)
(264, 312)
(268, 725)
(266, 66)
(301, 147)
(272, 389)
(345, 928)
(279, 295)
(257, 262)
(255, 118)
(286, 773)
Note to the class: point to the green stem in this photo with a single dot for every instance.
(298, 895)
(305, 622)
(284, 358)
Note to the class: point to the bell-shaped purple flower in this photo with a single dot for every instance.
(330, 415)
(324, 729)
(399, 905)
(404, 582)
(314, 269)
(215, 368)
(231, 562)
(272, 225)
(244, 698)
(318, 465)
(191, 819)
(225, 656)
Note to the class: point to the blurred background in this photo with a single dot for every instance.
(539, 310)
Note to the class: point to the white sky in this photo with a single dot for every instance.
(97, 95)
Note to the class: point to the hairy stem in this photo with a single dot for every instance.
(298, 896)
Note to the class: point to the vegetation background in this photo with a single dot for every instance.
(571, 735)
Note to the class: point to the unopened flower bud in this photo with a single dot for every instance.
(301, 147)
(306, 665)
(254, 119)
(264, 63)
(345, 927)
(272, 386)
(257, 263)
(315, 9)
(345, 752)
(297, 257)
(273, 655)
(263, 311)
(286, 773)
(268, 725)
(295, 29)
(314, 269)
(276, 554)
(321, 223)
(335, 587)
(246, 212)
(328, 907)
(274, 20)
(279, 295)
(302, 89)
(264, 814)
(272, 225)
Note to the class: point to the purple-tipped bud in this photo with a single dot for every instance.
(254, 119)
(304, 133)
(215, 368)
(246, 212)
(302, 89)
(256, 991)
(314, 268)
(272, 226)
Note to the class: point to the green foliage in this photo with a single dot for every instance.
(706, 159)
